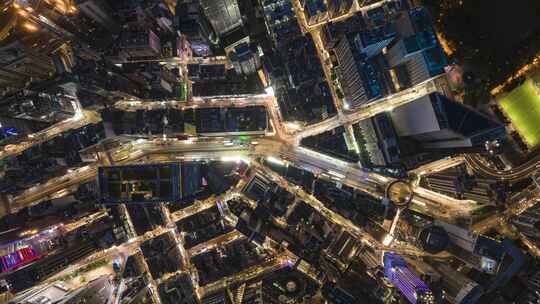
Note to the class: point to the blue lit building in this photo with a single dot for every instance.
(363, 69)
(281, 21)
(417, 56)
(396, 270)
(315, 10)
(387, 55)
(245, 59)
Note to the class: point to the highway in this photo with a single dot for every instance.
(480, 166)
(424, 201)
(438, 166)
(139, 150)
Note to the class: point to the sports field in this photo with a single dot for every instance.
(522, 106)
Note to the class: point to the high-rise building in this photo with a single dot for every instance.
(456, 286)
(224, 15)
(194, 25)
(362, 68)
(417, 55)
(396, 270)
(245, 58)
(315, 10)
(377, 141)
(22, 63)
(480, 252)
(445, 125)
(140, 43)
(338, 7)
(388, 55)
(100, 12)
(528, 223)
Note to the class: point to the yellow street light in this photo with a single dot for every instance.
(23, 13)
(30, 27)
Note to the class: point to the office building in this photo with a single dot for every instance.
(396, 270)
(456, 182)
(446, 125)
(140, 43)
(177, 289)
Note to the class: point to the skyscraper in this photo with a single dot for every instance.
(458, 287)
(417, 56)
(245, 58)
(224, 15)
(414, 289)
(384, 57)
(445, 125)
(362, 67)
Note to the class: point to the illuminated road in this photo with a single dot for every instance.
(184, 61)
(199, 206)
(424, 201)
(479, 165)
(234, 101)
(357, 232)
(219, 241)
(250, 273)
(85, 220)
(385, 104)
(155, 150)
(438, 166)
(80, 119)
(524, 200)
